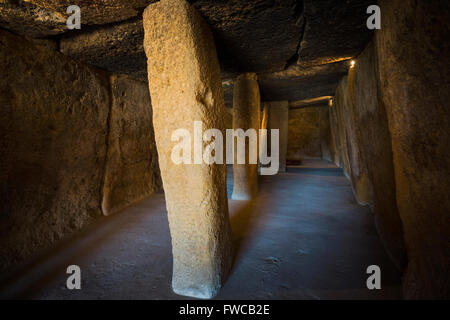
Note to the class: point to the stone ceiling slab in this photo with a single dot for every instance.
(116, 48)
(300, 83)
(289, 43)
(254, 35)
(335, 30)
(296, 83)
(98, 12)
(29, 20)
(310, 103)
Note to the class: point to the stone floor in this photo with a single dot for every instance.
(304, 237)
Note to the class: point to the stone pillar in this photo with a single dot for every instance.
(265, 117)
(185, 86)
(265, 135)
(279, 119)
(246, 105)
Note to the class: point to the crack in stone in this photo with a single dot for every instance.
(301, 20)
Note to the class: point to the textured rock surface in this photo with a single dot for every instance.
(132, 170)
(254, 35)
(335, 146)
(278, 118)
(325, 133)
(185, 86)
(377, 149)
(299, 83)
(339, 128)
(303, 39)
(27, 19)
(354, 163)
(117, 48)
(55, 140)
(247, 112)
(304, 134)
(53, 127)
(334, 31)
(413, 55)
(314, 102)
(98, 12)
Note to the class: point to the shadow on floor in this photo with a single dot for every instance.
(303, 237)
(241, 214)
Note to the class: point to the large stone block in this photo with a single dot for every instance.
(325, 133)
(30, 20)
(354, 163)
(117, 48)
(304, 134)
(254, 35)
(413, 56)
(132, 171)
(185, 86)
(97, 12)
(336, 149)
(53, 124)
(334, 31)
(74, 138)
(247, 112)
(302, 82)
(278, 118)
(377, 148)
(339, 103)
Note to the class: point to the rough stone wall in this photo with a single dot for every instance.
(304, 134)
(335, 146)
(54, 141)
(132, 161)
(376, 146)
(391, 116)
(325, 133)
(339, 103)
(275, 115)
(359, 120)
(53, 146)
(413, 57)
(354, 163)
(309, 134)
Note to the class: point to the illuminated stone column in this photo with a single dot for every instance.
(264, 136)
(246, 105)
(279, 119)
(185, 86)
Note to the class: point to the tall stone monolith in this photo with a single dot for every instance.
(246, 105)
(185, 86)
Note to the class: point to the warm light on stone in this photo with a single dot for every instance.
(185, 86)
(246, 106)
(252, 149)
